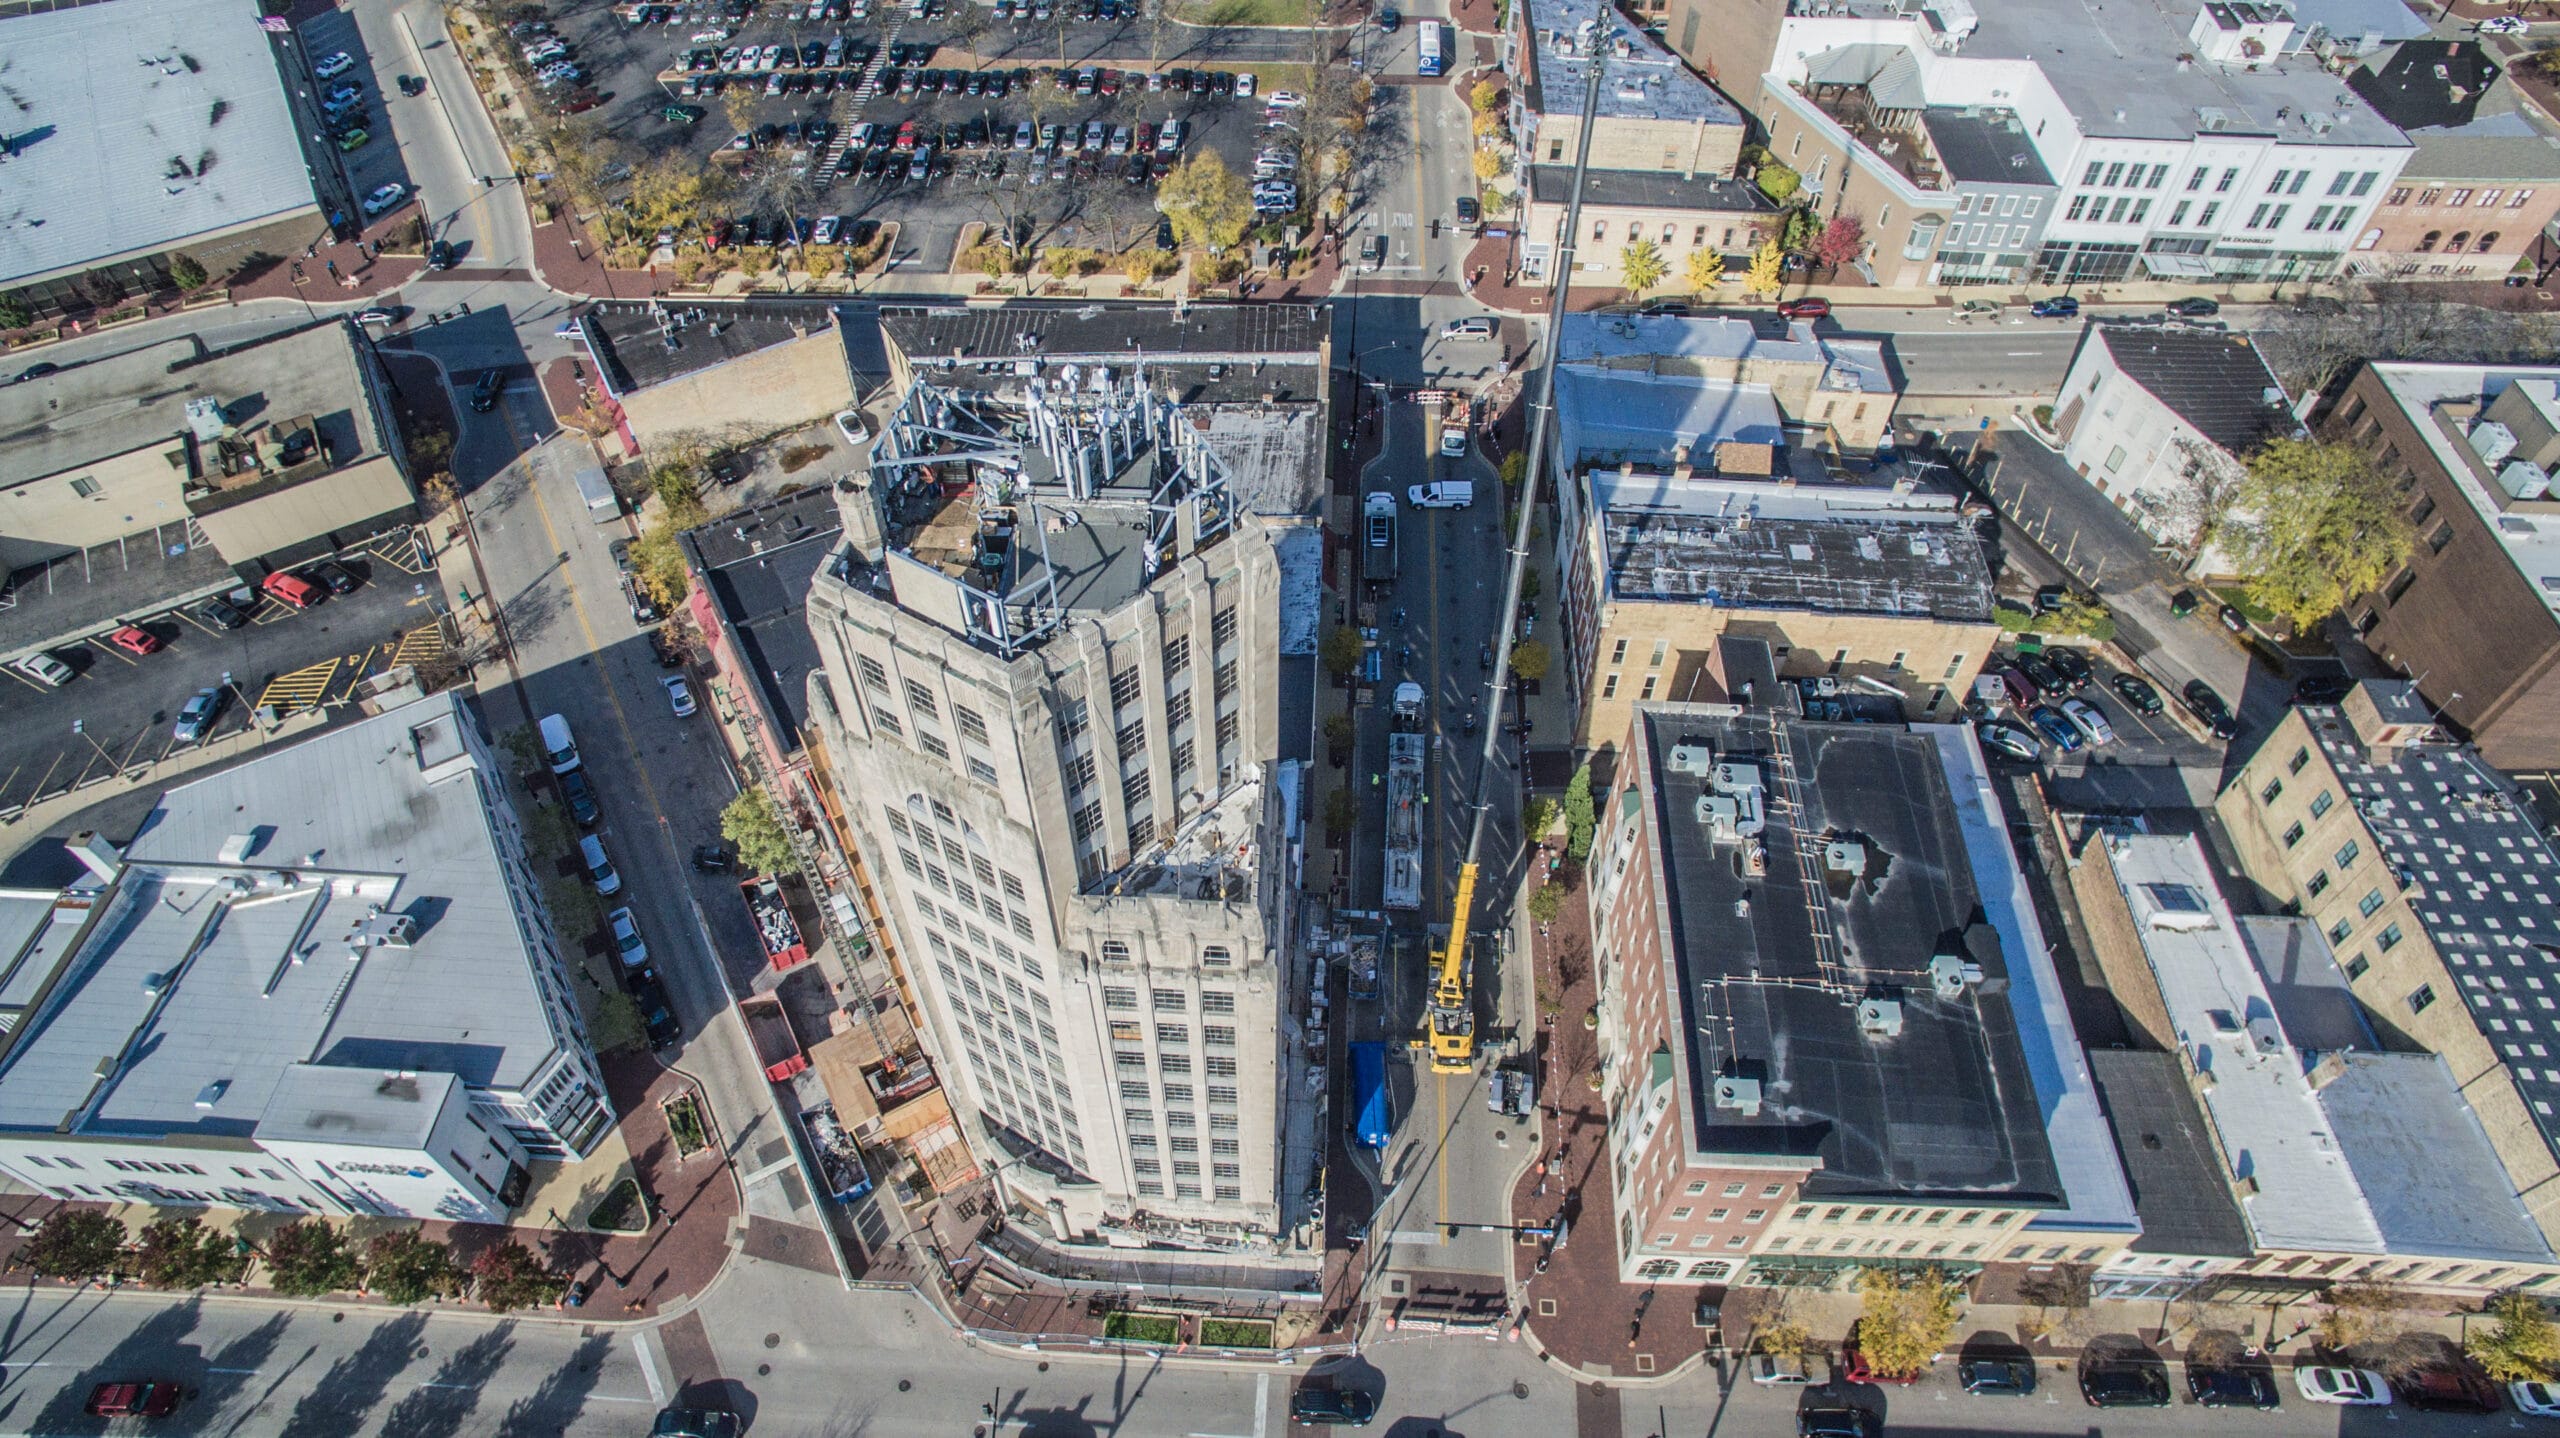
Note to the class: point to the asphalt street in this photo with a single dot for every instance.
(797, 1355)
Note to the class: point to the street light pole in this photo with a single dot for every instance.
(81, 728)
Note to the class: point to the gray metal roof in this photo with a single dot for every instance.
(318, 1104)
(94, 410)
(140, 124)
(2118, 67)
(1771, 968)
(2168, 1155)
(2429, 1173)
(198, 997)
(2482, 878)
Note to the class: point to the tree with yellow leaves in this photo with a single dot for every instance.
(1768, 270)
(1705, 271)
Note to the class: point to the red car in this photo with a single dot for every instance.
(134, 640)
(293, 589)
(1855, 1369)
(142, 1398)
(1811, 307)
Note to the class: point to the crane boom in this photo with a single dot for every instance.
(1452, 1018)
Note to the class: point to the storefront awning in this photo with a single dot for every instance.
(2177, 267)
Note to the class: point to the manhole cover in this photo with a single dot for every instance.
(773, 1340)
(904, 1385)
(764, 1370)
(1520, 1391)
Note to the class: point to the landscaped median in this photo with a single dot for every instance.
(1189, 1332)
(305, 1258)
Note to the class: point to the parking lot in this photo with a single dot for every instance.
(120, 710)
(375, 160)
(641, 70)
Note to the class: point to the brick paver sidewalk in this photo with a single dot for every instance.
(1576, 1309)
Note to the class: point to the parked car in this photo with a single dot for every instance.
(658, 1019)
(2136, 692)
(2209, 709)
(385, 199)
(329, 67)
(291, 589)
(679, 695)
(2232, 619)
(2071, 664)
(2211, 1387)
(1469, 212)
(2194, 307)
(2538, 1398)
(1332, 1408)
(2124, 1385)
(195, 717)
(135, 1398)
(485, 391)
(580, 797)
(2021, 689)
(2048, 680)
(2050, 722)
(2454, 1387)
(221, 615)
(1854, 1366)
(2090, 720)
(1836, 1420)
(43, 668)
(1771, 1370)
(1810, 307)
(626, 936)
(134, 639)
(2323, 689)
(2010, 739)
(2061, 307)
(600, 871)
(2345, 1387)
(2006, 1375)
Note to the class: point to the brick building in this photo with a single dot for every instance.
(2474, 617)
(2484, 179)
(1830, 1033)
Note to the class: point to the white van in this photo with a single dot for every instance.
(599, 868)
(558, 745)
(1447, 494)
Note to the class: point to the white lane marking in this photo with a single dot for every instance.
(644, 1345)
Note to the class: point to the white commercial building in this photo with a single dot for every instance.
(322, 980)
(2161, 420)
(2187, 142)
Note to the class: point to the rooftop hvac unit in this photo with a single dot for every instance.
(2492, 441)
(2523, 479)
(1739, 1096)
(1691, 759)
(1880, 1018)
(1950, 974)
(1845, 856)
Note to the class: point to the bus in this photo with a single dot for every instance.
(1427, 36)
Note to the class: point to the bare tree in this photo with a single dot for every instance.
(2191, 510)
(2315, 340)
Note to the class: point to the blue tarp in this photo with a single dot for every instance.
(1373, 1123)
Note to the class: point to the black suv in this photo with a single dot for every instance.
(2124, 1385)
(2230, 1387)
(1332, 1407)
(2008, 1375)
(2208, 707)
(2071, 664)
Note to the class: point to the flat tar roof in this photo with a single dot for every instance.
(1984, 149)
(195, 998)
(757, 563)
(640, 343)
(1652, 189)
(139, 124)
(1773, 967)
(2168, 1156)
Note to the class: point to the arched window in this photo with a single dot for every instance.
(2460, 241)
(2427, 243)
(2487, 243)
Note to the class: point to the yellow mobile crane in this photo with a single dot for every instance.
(1451, 1020)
